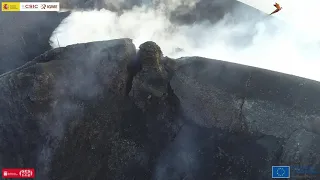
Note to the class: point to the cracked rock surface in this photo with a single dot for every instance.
(67, 114)
(281, 109)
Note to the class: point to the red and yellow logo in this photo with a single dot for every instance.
(10, 6)
(5, 6)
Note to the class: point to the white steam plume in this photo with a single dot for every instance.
(292, 49)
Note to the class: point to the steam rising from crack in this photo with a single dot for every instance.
(240, 36)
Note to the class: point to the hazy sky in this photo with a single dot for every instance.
(303, 15)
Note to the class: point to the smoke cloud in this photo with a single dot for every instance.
(288, 43)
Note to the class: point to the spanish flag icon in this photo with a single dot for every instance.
(10, 6)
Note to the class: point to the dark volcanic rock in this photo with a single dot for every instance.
(48, 97)
(152, 77)
(273, 111)
(25, 35)
(67, 114)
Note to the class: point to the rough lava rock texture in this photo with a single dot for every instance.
(279, 112)
(67, 114)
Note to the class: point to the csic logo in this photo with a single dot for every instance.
(31, 6)
(5, 6)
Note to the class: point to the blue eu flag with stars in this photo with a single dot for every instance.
(280, 171)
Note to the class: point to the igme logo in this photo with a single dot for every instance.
(39, 6)
(43, 6)
(30, 6)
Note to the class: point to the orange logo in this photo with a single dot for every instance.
(5, 6)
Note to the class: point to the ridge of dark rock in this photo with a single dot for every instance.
(67, 114)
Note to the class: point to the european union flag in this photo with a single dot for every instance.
(280, 171)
